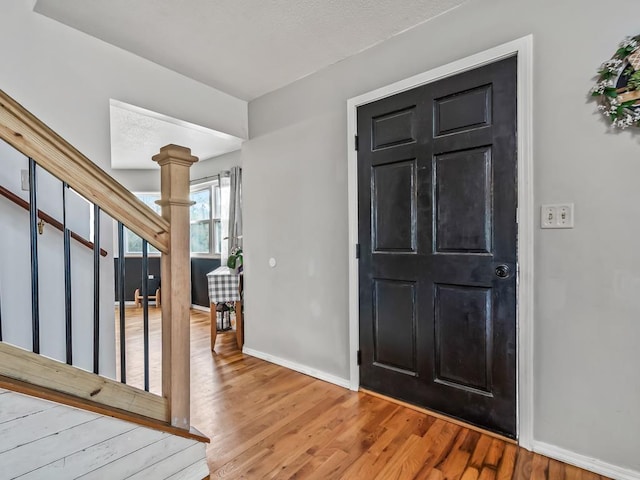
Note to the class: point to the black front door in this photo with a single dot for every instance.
(437, 229)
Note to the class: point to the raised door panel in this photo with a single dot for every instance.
(394, 207)
(394, 128)
(463, 337)
(463, 111)
(463, 201)
(395, 325)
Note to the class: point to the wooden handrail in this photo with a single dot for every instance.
(33, 138)
(8, 194)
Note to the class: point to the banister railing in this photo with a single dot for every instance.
(169, 233)
(48, 219)
(27, 134)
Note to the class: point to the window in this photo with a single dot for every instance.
(206, 231)
(132, 242)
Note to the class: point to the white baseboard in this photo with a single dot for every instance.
(582, 461)
(312, 372)
(129, 303)
(201, 308)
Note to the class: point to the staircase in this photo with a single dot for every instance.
(61, 421)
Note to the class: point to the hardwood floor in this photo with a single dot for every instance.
(266, 421)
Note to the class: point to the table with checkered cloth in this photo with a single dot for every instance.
(224, 285)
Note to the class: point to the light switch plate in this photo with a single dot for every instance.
(565, 215)
(548, 215)
(560, 215)
(24, 180)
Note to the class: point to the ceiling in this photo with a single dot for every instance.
(245, 48)
(137, 135)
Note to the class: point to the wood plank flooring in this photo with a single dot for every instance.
(266, 421)
(43, 440)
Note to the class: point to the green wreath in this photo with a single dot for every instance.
(618, 87)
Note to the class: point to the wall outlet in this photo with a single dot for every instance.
(557, 216)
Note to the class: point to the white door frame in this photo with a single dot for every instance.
(523, 48)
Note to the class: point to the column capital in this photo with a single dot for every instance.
(176, 155)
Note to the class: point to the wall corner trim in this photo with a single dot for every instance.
(312, 372)
(582, 461)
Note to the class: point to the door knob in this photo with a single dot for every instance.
(503, 271)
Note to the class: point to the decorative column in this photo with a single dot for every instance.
(175, 162)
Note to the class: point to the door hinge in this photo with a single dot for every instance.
(359, 357)
(357, 250)
(356, 143)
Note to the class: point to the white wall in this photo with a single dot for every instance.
(139, 180)
(213, 166)
(66, 78)
(587, 331)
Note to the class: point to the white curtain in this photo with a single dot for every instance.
(225, 201)
(230, 211)
(235, 209)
